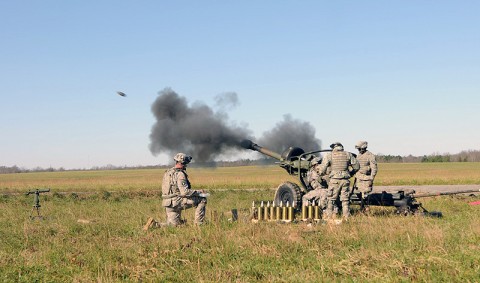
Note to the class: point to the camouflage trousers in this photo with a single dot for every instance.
(336, 188)
(318, 195)
(364, 186)
(174, 211)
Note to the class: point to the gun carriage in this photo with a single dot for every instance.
(297, 162)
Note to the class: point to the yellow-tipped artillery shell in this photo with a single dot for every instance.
(316, 212)
(284, 212)
(260, 212)
(290, 213)
(265, 211)
(272, 212)
(310, 210)
(304, 211)
(279, 208)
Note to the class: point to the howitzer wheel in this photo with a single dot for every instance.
(288, 192)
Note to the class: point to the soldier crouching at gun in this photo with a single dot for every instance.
(319, 184)
(177, 195)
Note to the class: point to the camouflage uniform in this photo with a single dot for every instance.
(343, 164)
(177, 195)
(368, 169)
(318, 183)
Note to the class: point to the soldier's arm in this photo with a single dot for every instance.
(373, 166)
(314, 177)
(184, 185)
(322, 168)
(354, 163)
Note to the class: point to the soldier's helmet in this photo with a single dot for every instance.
(336, 144)
(361, 145)
(182, 158)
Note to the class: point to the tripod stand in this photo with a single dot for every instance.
(36, 205)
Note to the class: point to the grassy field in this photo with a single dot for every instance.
(231, 177)
(99, 236)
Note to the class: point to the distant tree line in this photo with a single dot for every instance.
(241, 162)
(16, 169)
(463, 156)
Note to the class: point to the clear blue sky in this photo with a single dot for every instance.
(403, 75)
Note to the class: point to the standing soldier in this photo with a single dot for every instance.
(318, 183)
(343, 165)
(368, 169)
(177, 194)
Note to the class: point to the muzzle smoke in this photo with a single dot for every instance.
(205, 134)
(290, 132)
(197, 130)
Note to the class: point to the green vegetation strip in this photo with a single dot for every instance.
(246, 177)
(100, 238)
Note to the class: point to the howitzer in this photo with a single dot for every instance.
(36, 201)
(296, 162)
(404, 202)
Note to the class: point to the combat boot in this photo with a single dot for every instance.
(150, 224)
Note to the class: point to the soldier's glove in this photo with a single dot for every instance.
(202, 193)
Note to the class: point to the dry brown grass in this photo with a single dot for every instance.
(234, 178)
(110, 246)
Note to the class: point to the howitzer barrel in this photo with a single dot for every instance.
(444, 193)
(248, 144)
(294, 159)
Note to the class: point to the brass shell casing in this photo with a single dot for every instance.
(278, 212)
(310, 211)
(260, 212)
(316, 212)
(284, 212)
(290, 213)
(272, 212)
(304, 212)
(265, 211)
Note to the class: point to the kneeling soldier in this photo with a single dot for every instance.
(178, 195)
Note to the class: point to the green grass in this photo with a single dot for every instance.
(381, 247)
(246, 177)
(111, 247)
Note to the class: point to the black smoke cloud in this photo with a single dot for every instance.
(195, 130)
(205, 134)
(290, 132)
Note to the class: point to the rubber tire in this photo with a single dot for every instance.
(290, 192)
